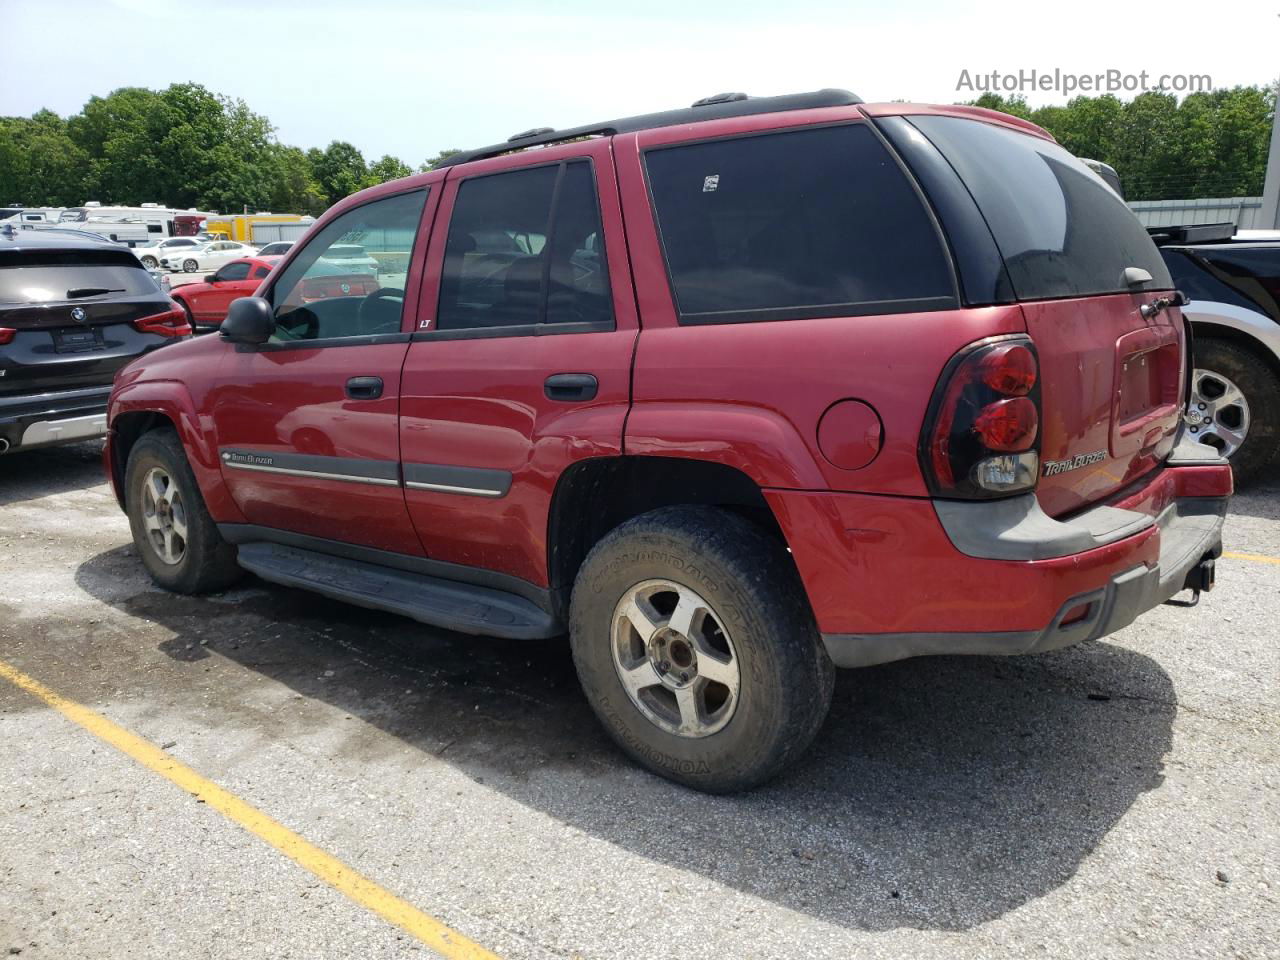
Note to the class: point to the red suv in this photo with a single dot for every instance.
(734, 394)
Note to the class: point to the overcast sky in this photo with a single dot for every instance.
(406, 78)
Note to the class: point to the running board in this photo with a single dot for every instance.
(441, 603)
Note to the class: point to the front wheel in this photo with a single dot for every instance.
(150, 262)
(190, 266)
(695, 645)
(1234, 406)
(177, 539)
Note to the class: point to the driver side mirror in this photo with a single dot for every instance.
(211, 278)
(249, 320)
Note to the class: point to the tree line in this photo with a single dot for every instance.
(183, 146)
(186, 146)
(1206, 145)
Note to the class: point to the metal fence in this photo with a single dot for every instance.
(1245, 212)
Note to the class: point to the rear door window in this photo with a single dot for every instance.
(806, 223)
(1062, 232)
(525, 249)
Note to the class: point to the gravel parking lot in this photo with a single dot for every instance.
(1118, 799)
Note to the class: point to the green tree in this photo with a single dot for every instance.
(294, 187)
(387, 168)
(39, 163)
(340, 170)
(1208, 145)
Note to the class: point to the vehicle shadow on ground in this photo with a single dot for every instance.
(27, 474)
(1260, 500)
(942, 793)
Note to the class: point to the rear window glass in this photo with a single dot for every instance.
(50, 277)
(1061, 230)
(807, 223)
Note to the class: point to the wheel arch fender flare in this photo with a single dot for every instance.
(759, 442)
(150, 403)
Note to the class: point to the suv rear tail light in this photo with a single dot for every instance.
(171, 323)
(6, 335)
(981, 438)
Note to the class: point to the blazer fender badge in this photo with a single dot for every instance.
(1054, 467)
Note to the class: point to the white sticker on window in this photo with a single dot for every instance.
(710, 183)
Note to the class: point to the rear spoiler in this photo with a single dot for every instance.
(1193, 233)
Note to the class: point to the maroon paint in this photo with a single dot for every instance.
(481, 402)
(747, 395)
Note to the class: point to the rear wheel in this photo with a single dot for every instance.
(175, 536)
(150, 262)
(697, 649)
(1234, 406)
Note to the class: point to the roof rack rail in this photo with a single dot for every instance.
(1193, 233)
(708, 108)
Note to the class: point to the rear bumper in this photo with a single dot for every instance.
(43, 419)
(887, 581)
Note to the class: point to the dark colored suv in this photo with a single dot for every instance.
(73, 311)
(734, 395)
(1233, 284)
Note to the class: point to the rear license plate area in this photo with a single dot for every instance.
(78, 340)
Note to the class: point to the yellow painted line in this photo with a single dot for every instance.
(1255, 557)
(440, 938)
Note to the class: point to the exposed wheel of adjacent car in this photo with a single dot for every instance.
(178, 541)
(696, 647)
(190, 266)
(150, 262)
(1235, 405)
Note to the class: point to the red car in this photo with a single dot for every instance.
(733, 394)
(206, 303)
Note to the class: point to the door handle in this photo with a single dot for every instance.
(571, 387)
(364, 388)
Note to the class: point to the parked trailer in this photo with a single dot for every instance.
(160, 221)
(240, 226)
(264, 233)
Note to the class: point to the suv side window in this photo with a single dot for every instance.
(805, 223)
(526, 248)
(322, 297)
(233, 271)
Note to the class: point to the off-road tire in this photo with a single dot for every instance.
(208, 562)
(750, 581)
(1261, 447)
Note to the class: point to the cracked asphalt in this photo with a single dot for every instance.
(1118, 799)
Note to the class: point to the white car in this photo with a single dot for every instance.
(349, 258)
(152, 253)
(210, 256)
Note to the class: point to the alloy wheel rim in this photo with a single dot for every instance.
(675, 659)
(1218, 412)
(164, 516)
